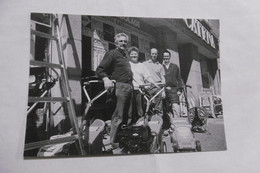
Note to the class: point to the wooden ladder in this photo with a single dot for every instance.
(65, 91)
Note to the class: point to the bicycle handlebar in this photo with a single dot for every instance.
(151, 84)
(96, 81)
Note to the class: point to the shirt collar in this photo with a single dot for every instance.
(151, 61)
(122, 52)
(166, 65)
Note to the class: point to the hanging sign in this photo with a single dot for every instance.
(206, 101)
(100, 47)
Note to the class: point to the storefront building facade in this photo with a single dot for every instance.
(193, 44)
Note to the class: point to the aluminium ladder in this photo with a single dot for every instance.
(65, 91)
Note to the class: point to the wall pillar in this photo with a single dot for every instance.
(190, 67)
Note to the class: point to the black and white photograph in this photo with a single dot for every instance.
(129, 86)
(106, 85)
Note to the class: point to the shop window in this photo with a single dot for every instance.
(40, 45)
(86, 56)
(86, 21)
(152, 45)
(205, 80)
(212, 67)
(141, 57)
(134, 40)
(111, 46)
(109, 32)
(41, 17)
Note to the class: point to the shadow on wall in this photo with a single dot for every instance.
(186, 53)
(72, 71)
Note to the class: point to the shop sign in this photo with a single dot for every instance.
(123, 21)
(100, 47)
(131, 21)
(206, 101)
(196, 27)
(206, 90)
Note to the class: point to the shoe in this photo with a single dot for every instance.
(120, 151)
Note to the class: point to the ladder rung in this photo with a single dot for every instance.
(47, 99)
(40, 23)
(42, 34)
(45, 64)
(39, 144)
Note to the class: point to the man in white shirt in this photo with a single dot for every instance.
(157, 72)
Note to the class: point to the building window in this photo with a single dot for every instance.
(141, 57)
(41, 17)
(152, 45)
(205, 80)
(40, 49)
(134, 40)
(86, 21)
(205, 73)
(212, 66)
(109, 32)
(111, 46)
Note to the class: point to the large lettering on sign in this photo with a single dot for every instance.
(131, 21)
(195, 26)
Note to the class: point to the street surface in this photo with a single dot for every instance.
(215, 141)
(212, 141)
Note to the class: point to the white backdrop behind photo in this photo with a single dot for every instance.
(239, 60)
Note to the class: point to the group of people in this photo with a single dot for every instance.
(122, 65)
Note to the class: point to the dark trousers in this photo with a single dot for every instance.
(121, 114)
(173, 98)
(137, 105)
(158, 100)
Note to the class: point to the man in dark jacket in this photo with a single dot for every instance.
(173, 82)
(116, 65)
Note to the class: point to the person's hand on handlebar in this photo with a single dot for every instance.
(168, 88)
(178, 93)
(108, 83)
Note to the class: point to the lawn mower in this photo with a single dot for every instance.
(183, 128)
